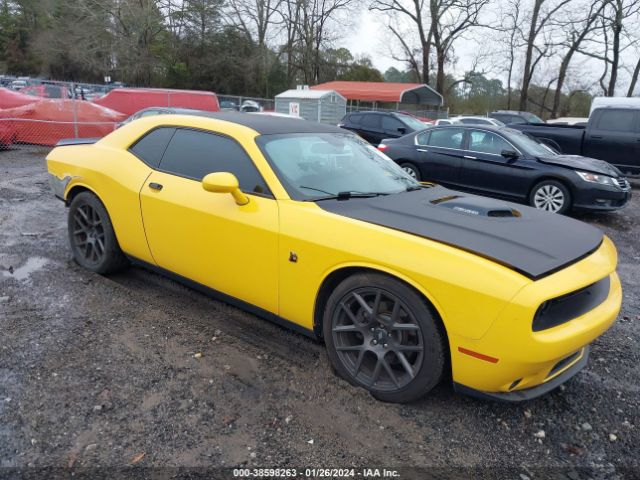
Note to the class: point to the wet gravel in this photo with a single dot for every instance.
(135, 369)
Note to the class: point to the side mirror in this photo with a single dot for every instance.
(402, 130)
(509, 154)
(225, 182)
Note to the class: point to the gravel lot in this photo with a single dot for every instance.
(107, 372)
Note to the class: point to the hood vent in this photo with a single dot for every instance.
(474, 207)
(504, 213)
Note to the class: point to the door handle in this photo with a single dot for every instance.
(155, 186)
(470, 157)
(597, 137)
(427, 151)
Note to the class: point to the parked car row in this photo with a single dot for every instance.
(505, 163)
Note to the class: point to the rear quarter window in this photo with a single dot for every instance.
(151, 146)
(621, 121)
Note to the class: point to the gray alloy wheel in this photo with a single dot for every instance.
(411, 170)
(382, 336)
(93, 241)
(551, 196)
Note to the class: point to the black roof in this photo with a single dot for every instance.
(269, 124)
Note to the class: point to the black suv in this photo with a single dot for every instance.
(511, 117)
(374, 126)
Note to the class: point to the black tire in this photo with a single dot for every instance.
(91, 236)
(551, 196)
(355, 348)
(411, 169)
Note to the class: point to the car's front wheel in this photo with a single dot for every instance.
(551, 196)
(93, 241)
(382, 335)
(411, 170)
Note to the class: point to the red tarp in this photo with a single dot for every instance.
(8, 135)
(48, 121)
(131, 100)
(11, 99)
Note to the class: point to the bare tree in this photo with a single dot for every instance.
(537, 23)
(634, 79)
(617, 26)
(450, 19)
(418, 14)
(575, 30)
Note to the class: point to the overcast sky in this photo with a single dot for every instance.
(371, 37)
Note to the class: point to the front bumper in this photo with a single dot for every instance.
(511, 357)
(530, 393)
(600, 198)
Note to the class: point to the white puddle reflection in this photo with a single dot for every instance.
(33, 264)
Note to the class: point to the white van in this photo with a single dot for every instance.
(599, 102)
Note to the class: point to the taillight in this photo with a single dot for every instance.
(382, 147)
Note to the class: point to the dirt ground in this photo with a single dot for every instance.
(102, 372)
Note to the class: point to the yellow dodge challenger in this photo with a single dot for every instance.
(306, 225)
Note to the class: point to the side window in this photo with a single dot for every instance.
(616, 121)
(515, 119)
(151, 146)
(371, 121)
(422, 138)
(487, 142)
(194, 154)
(355, 119)
(446, 137)
(391, 124)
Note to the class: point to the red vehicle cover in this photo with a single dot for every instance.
(8, 135)
(48, 121)
(11, 99)
(131, 100)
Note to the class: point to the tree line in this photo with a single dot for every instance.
(543, 55)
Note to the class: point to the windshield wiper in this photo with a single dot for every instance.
(346, 195)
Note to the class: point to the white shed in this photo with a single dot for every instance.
(324, 106)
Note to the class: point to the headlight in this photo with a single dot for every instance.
(595, 178)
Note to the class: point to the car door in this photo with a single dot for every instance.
(612, 135)
(485, 169)
(392, 127)
(204, 236)
(441, 157)
(371, 128)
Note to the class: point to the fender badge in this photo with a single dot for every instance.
(293, 257)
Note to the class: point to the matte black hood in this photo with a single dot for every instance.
(587, 164)
(530, 241)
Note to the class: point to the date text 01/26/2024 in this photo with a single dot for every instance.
(364, 473)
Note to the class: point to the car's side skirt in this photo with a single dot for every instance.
(223, 297)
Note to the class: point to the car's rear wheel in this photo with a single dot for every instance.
(382, 335)
(550, 196)
(411, 170)
(93, 241)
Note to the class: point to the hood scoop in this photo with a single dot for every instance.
(471, 206)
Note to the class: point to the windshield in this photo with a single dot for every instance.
(316, 165)
(531, 118)
(412, 122)
(531, 145)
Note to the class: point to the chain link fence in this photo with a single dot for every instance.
(44, 112)
(40, 112)
(433, 114)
